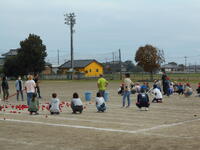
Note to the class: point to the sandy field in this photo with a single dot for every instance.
(171, 125)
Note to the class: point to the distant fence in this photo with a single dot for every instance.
(134, 76)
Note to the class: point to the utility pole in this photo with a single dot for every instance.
(58, 57)
(70, 20)
(185, 63)
(120, 64)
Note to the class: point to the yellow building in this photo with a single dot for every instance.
(88, 67)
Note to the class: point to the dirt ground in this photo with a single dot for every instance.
(171, 125)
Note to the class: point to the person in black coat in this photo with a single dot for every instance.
(143, 100)
(5, 88)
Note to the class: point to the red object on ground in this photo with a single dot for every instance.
(11, 111)
(13, 106)
(14, 111)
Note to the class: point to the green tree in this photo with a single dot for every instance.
(29, 59)
(31, 55)
(11, 67)
(149, 58)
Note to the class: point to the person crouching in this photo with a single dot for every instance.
(76, 104)
(143, 100)
(34, 105)
(55, 105)
(100, 103)
(157, 95)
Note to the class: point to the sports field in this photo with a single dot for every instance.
(172, 125)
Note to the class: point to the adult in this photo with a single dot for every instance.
(102, 84)
(19, 88)
(30, 88)
(164, 76)
(166, 86)
(143, 100)
(36, 78)
(127, 90)
(5, 88)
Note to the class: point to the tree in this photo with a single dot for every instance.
(29, 59)
(11, 67)
(149, 58)
(32, 55)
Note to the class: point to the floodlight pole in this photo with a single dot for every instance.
(70, 20)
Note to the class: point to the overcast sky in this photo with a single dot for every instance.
(104, 26)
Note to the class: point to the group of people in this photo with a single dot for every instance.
(169, 88)
(127, 88)
(76, 102)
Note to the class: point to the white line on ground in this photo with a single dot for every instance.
(103, 129)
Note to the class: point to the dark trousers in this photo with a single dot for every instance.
(5, 94)
(77, 109)
(20, 92)
(180, 91)
(55, 113)
(156, 100)
(38, 91)
(140, 105)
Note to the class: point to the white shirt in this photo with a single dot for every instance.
(55, 102)
(30, 86)
(99, 101)
(77, 102)
(127, 84)
(157, 93)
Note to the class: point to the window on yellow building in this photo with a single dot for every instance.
(86, 71)
(97, 70)
(90, 70)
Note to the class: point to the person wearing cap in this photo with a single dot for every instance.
(102, 84)
(157, 94)
(188, 90)
(142, 100)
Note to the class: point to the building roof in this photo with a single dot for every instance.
(78, 63)
(12, 52)
(169, 66)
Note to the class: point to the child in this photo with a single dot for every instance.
(100, 103)
(157, 95)
(54, 105)
(137, 87)
(142, 100)
(158, 84)
(34, 105)
(121, 89)
(76, 104)
(144, 87)
(180, 89)
(188, 90)
(198, 89)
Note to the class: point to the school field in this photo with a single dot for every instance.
(172, 125)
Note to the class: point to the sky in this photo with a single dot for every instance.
(104, 26)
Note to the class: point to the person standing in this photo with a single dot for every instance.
(164, 76)
(36, 78)
(5, 88)
(19, 88)
(127, 90)
(102, 84)
(30, 88)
